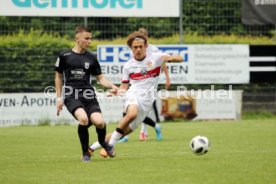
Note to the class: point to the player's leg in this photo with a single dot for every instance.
(96, 145)
(98, 121)
(156, 111)
(100, 125)
(76, 108)
(95, 116)
(121, 130)
(156, 126)
(123, 126)
(143, 132)
(83, 133)
(104, 153)
(125, 138)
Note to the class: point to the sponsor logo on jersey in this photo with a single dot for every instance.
(77, 73)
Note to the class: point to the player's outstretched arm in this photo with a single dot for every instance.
(106, 83)
(166, 72)
(174, 58)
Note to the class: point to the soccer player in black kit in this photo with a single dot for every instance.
(76, 66)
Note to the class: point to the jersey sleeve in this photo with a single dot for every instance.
(154, 49)
(59, 66)
(96, 69)
(125, 75)
(158, 56)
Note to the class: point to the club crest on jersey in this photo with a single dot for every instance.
(143, 71)
(149, 64)
(86, 65)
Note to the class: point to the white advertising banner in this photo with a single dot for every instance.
(219, 104)
(202, 104)
(220, 64)
(91, 8)
(216, 108)
(36, 108)
(203, 64)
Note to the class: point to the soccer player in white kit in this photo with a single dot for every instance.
(139, 82)
(144, 128)
(148, 121)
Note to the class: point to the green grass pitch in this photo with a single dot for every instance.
(242, 152)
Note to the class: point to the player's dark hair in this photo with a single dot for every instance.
(136, 35)
(80, 29)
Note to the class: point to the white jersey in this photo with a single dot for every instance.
(152, 48)
(143, 76)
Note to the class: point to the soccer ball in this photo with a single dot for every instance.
(200, 145)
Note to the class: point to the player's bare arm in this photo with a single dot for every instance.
(166, 72)
(106, 83)
(58, 86)
(174, 58)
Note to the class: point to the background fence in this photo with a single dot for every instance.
(261, 100)
(32, 71)
(202, 17)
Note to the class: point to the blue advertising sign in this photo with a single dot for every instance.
(121, 53)
(202, 64)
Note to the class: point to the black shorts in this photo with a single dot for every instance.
(89, 105)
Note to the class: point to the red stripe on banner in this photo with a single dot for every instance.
(139, 76)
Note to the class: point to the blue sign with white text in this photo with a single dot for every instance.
(120, 53)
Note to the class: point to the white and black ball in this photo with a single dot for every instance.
(200, 145)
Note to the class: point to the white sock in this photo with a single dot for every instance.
(144, 128)
(115, 137)
(157, 126)
(96, 145)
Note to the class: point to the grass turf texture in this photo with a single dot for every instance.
(241, 152)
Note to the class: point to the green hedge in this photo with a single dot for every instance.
(27, 60)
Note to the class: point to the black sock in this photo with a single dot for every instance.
(149, 122)
(156, 111)
(84, 138)
(89, 124)
(120, 131)
(101, 135)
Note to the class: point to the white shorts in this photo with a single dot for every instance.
(144, 107)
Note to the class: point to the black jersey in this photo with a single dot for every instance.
(77, 68)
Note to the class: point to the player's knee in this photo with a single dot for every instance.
(99, 124)
(83, 120)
